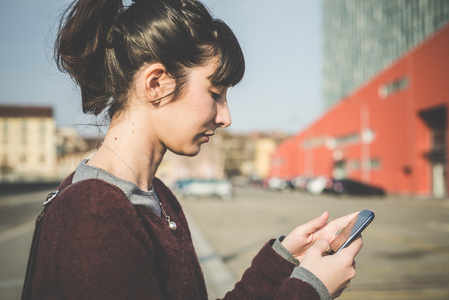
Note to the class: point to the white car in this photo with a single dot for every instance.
(203, 188)
(276, 183)
(317, 185)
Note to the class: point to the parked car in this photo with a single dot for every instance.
(180, 184)
(354, 187)
(193, 189)
(279, 184)
(300, 182)
(319, 185)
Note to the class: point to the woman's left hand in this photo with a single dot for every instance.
(304, 236)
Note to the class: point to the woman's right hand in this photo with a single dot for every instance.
(335, 271)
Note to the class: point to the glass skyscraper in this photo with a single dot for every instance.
(362, 37)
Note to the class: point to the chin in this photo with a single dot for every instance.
(193, 151)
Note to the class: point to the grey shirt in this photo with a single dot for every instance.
(135, 195)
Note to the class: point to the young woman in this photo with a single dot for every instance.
(161, 70)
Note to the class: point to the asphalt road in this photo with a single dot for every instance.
(17, 217)
(405, 253)
(406, 248)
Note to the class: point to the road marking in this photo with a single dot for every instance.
(396, 295)
(15, 201)
(25, 198)
(17, 231)
(9, 283)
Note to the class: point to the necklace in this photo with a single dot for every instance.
(171, 224)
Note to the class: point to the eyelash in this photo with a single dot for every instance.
(215, 96)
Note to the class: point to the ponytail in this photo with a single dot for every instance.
(102, 45)
(80, 48)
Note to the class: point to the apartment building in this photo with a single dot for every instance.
(27, 143)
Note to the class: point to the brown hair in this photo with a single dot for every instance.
(102, 44)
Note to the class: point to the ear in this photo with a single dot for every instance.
(154, 82)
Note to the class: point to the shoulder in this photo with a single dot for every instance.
(165, 194)
(162, 191)
(92, 189)
(159, 185)
(92, 197)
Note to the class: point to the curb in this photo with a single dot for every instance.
(218, 276)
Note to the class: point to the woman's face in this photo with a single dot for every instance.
(186, 123)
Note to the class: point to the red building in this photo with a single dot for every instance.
(391, 132)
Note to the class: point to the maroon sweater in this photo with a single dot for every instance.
(96, 245)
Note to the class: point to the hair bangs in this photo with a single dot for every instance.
(231, 64)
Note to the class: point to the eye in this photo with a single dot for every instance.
(215, 96)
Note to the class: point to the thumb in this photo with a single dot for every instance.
(321, 247)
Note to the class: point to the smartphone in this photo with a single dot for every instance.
(352, 231)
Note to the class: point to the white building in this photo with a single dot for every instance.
(27, 143)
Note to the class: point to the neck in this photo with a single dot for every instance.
(129, 155)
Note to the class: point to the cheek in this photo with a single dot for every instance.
(206, 108)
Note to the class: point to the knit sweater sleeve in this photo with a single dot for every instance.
(89, 248)
(269, 278)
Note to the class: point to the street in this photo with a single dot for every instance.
(405, 253)
(406, 247)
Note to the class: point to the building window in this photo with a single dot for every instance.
(393, 87)
(439, 138)
(351, 138)
(42, 131)
(24, 131)
(5, 131)
(374, 164)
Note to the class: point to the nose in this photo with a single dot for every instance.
(223, 117)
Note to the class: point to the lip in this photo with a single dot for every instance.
(206, 137)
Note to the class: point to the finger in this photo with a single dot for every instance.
(321, 247)
(342, 222)
(305, 233)
(354, 247)
(317, 223)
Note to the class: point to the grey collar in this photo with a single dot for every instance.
(135, 195)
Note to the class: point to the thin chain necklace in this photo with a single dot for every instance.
(171, 224)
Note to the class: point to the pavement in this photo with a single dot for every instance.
(406, 255)
(218, 276)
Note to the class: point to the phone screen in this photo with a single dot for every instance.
(352, 230)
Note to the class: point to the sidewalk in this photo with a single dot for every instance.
(218, 276)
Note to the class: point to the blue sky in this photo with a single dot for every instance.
(281, 40)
